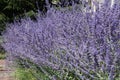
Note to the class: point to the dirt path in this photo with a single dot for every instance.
(5, 72)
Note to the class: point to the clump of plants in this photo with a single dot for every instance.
(68, 44)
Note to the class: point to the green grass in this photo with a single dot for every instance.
(29, 72)
(2, 56)
(24, 74)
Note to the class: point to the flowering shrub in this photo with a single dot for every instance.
(78, 45)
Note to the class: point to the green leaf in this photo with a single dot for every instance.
(8, 7)
(30, 13)
(2, 17)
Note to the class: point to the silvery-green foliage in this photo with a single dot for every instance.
(87, 43)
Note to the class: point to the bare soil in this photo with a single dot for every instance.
(5, 72)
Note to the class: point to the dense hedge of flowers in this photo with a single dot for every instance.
(84, 44)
